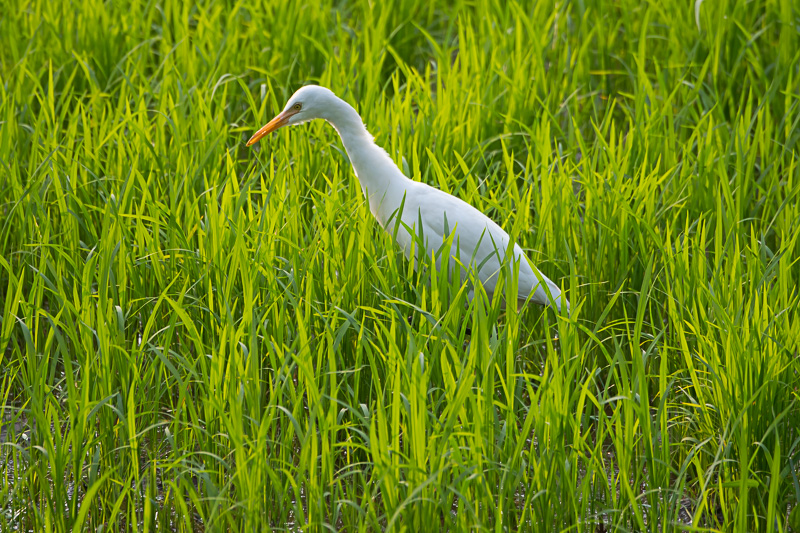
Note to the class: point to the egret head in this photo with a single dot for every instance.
(308, 103)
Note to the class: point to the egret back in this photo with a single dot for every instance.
(477, 241)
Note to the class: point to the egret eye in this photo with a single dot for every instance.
(298, 106)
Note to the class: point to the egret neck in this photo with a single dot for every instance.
(381, 181)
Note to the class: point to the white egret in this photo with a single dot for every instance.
(477, 242)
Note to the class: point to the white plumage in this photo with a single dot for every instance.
(477, 241)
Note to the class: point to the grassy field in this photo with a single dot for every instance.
(198, 336)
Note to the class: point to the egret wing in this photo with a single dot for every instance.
(478, 241)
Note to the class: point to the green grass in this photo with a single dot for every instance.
(197, 336)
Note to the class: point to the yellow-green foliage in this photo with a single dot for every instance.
(198, 336)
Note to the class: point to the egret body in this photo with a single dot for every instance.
(477, 240)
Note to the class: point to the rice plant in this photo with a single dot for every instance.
(200, 336)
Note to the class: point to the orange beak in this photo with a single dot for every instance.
(272, 125)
